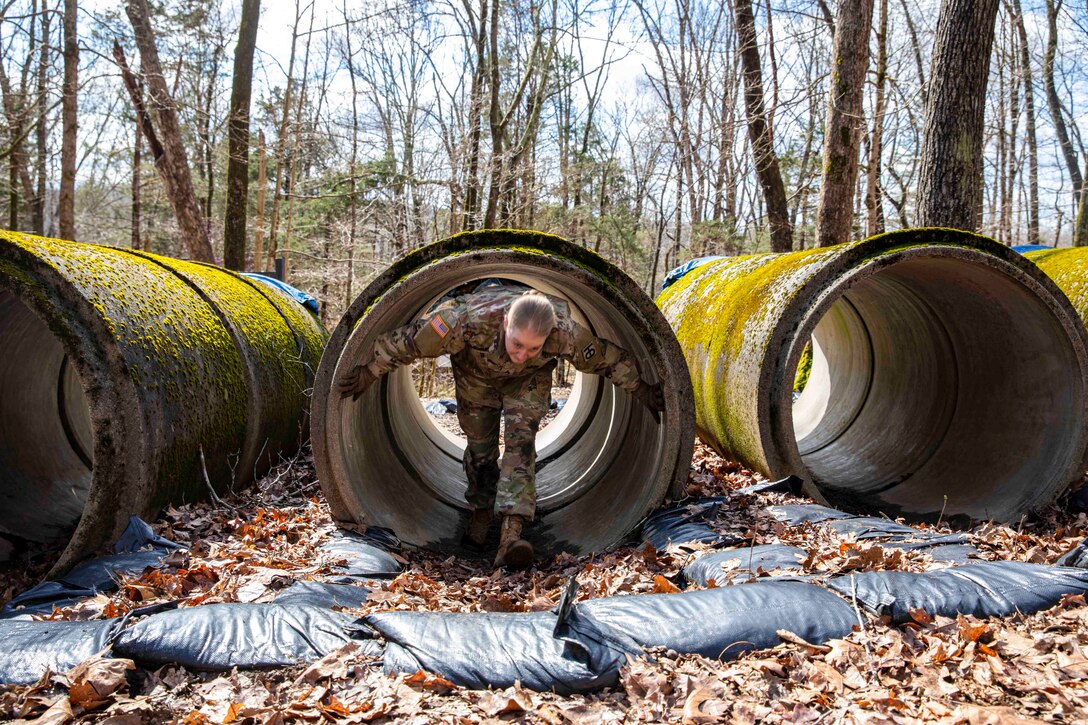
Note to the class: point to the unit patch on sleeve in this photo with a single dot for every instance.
(588, 351)
(440, 325)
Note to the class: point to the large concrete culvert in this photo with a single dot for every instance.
(949, 375)
(602, 464)
(122, 370)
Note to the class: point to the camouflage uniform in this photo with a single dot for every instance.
(470, 330)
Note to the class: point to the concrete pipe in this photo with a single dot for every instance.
(602, 464)
(1069, 270)
(126, 375)
(948, 374)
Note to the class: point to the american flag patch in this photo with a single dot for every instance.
(439, 325)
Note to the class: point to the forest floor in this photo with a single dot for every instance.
(965, 670)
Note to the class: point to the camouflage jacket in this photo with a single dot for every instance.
(470, 330)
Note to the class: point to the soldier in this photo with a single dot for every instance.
(503, 345)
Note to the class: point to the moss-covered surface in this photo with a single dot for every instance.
(1069, 270)
(726, 313)
(804, 369)
(166, 318)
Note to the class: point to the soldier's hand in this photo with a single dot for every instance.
(355, 382)
(653, 397)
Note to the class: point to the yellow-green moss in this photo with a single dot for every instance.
(725, 313)
(1069, 270)
(184, 363)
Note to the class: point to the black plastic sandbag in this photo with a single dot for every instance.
(685, 524)
(800, 513)
(493, 649)
(363, 559)
(1077, 556)
(752, 558)
(28, 649)
(984, 589)
(137, 548)
(723, 622)
(320, 594)
(952, 548)
(790, 484)
(221, 636)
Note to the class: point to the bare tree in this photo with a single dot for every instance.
(66, 211)
(849, 64)
(173, 164)
(950, 184)
(874, 201)
(234, 222)
(759, 131)
(1057, 117)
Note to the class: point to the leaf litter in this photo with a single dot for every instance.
(1019, 669)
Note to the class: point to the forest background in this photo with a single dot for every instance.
(652, 131)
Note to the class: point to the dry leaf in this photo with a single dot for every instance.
(434, 683)
(787, 636)
(691, 714)
(664, 586)
(94, 681)
(60, 713)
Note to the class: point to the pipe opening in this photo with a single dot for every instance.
(581, 440)
(390, 464)
(46, 436)
(938, 384)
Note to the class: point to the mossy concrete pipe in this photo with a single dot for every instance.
(949, 375)
(602, 464)
(125, 375)
(1069, 270)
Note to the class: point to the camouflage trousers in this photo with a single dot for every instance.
(481, 404)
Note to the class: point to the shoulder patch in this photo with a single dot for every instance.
(588, 351)
(440, 326)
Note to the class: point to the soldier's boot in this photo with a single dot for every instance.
(479, 523)
(514, 551)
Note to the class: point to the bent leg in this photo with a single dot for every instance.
(479, 410)
(523, 408)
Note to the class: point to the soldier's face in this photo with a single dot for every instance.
(522, 345)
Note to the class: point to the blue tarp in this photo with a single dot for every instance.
(306, 300)
(1030, 248)
(687, 267)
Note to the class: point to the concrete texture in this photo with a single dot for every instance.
(602, 465)
(121, 369)
(949, 375)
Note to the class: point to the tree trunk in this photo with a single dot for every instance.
(874, 198)
(262, 191)
(37, 208)
(471, 208)
(66, 211)
(1057, 116)
(281, 143)
(494, 121)
(850, 63)
(234, 223)
(175, 167)
(137, 162)
(766, 162)
(949, 186)
(1029, 110)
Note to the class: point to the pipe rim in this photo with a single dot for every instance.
(865, 259)
(67, 313)
(527, 246)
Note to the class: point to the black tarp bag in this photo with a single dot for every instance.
(983, 589)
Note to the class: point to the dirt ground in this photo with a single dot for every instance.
(964, 670)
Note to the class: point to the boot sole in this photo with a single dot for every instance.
(519, 555)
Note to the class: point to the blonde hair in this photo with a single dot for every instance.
(532, 312)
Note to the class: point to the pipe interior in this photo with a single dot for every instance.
(408, 470)
(46, 438)
(935, 378)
